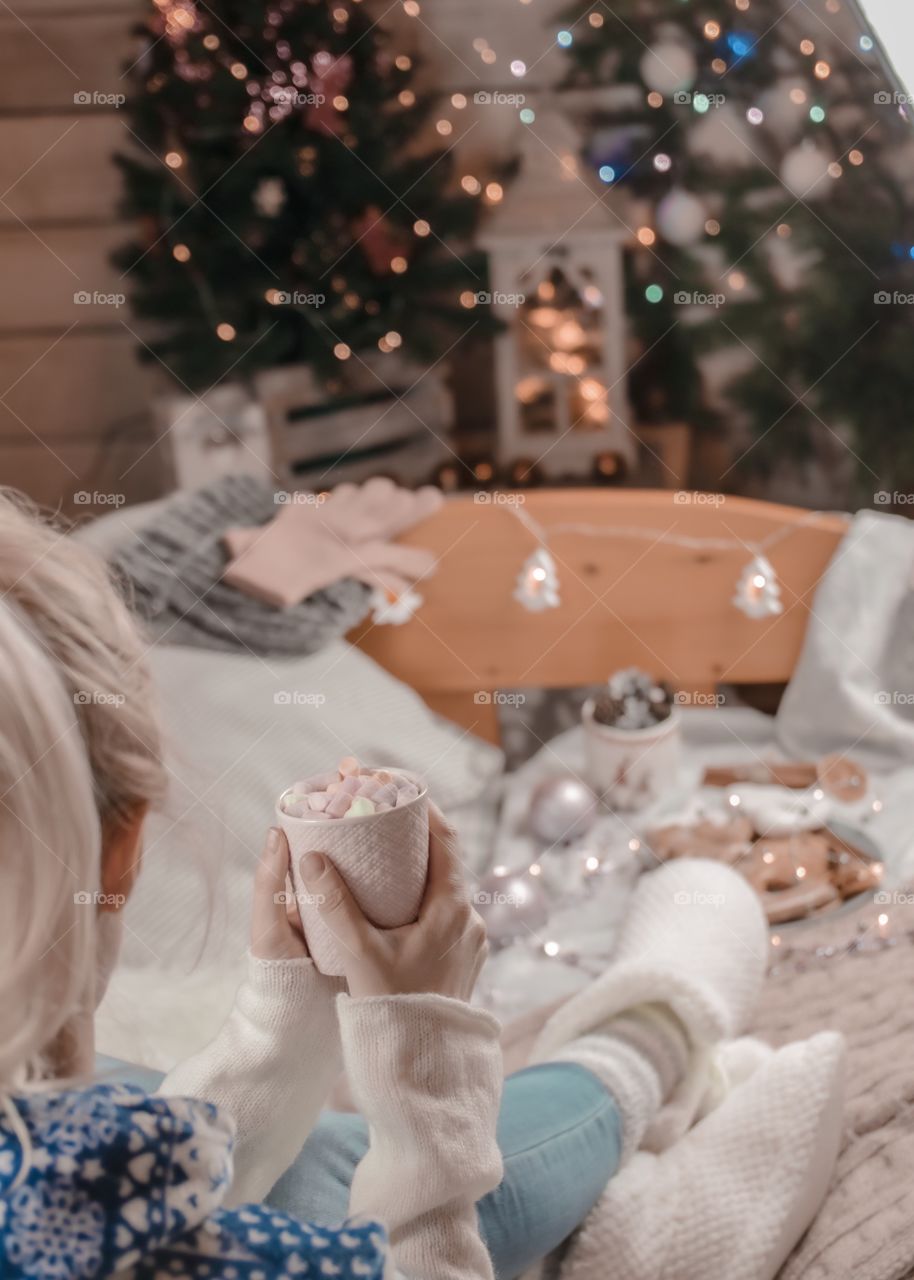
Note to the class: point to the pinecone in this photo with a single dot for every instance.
(631, 699)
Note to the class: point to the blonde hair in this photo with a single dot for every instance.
(79, 750)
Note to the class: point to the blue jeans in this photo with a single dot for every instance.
(560, 1135)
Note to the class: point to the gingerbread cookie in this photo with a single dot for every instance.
(782, 862)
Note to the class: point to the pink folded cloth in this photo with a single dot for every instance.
(312, 544)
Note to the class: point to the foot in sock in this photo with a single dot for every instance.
(686, 975)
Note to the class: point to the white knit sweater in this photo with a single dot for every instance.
(426, 1073)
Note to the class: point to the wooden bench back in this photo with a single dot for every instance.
(646, 602)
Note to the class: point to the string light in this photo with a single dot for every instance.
(398, 265)
(403, 62)
(210, 42)
(174, 160)
(606, 173)
(718, 66)
(712, 30)
(595, 19)
(527, 115)
(471, 185)
(646, 236)
(421, 227)
(406, 98)
(817, 114)
(494, 192)
(411, 8)
(654, 293)
(807, 47)
(181, 252)
(662, 162)
(655, 99)
(755, 115)
(226, 332)
(444, 127)
(855, 157)
(537, 584)
(712, 227)
(822, 70)
(468, 299)
(758, 593)
(488, 56)
(341, 351)
(565, 39)
(736, 280)
(798, 97)
(239, 70)
(458, 100)
(518, 68)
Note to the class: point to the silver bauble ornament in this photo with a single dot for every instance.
(668, 67)
(511, 903)
(562, 809)
(681, 218)
(804, 171)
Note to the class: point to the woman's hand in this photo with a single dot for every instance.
(442, 953)
(276, 932)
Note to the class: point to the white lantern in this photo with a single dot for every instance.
(555, 247)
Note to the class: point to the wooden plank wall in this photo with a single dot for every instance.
(73, 397)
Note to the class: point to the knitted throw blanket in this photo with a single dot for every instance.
(844, 974)
(174, 567)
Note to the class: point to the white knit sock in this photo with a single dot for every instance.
(640, 1056)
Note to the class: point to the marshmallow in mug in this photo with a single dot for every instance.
(349, 791)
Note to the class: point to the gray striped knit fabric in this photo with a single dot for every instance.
(174, 567)
(865, 1228)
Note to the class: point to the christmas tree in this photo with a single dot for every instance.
(290, 204)
(766, 145)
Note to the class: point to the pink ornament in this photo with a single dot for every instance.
(379, 242)
(330, 77)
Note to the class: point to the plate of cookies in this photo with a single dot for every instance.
(799, 856)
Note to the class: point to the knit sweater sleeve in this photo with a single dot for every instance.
(425, 1071)
(271, 1068)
